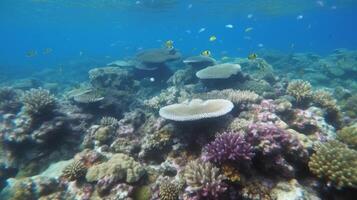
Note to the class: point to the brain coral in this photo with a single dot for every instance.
(119, 166)
(336, 163)
(220, 71)
(299, 89)
(196, 109)
(38, 102)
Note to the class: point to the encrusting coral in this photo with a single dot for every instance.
(301, 90)
(336, 163)
(38, 102)
(204, 180)
(74, 171)
(348, 135)
(118, 167)
(228, 146)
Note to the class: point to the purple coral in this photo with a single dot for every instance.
(228, 146)
(267, 138)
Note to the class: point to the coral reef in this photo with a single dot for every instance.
(38, 102)
(9, 100)
(348, 135)
(203, 180)
(301, 90)
(336, 163)
(228, 146)
(240, 98)
(169, 191)
(118, 167)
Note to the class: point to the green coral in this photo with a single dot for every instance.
(336, 163)
(38, 102)
(301, 90)
(142, 193)
(74, 171)
(169, 191)
(348, 135)
(120, 166)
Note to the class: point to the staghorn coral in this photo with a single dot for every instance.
(196, 109)
(38, 102)
(238, 97)
(348, 135)
(109, 121)
(118, 167)
(74, 171)
(168, 191)
(336, 163)
(300, 90)
(204, 180)
(228, 146)
(324, 99)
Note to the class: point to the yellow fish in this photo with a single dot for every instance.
(169, 44)
(206, 53)
(212, 38)
(31, 53)
(248, 29)
(252, 56)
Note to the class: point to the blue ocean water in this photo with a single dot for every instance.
(103, 29)
(178, 99)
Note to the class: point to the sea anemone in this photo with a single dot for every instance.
(228, 146)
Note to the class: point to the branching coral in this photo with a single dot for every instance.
(38, 102)
(348, 135)
(231, 173)
(204, 180)
(74, 171)
(109, 121)
(228, 146)
(336, 163)
(168, 191)
(324, 99)
(300, 89)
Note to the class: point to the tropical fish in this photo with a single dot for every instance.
(47, 51)
(300, 17)
(249, 16)
(229, 26)
(212, 38)
(206, 53)
(201, 30)
(169, 44)
(248, 29)
(252, 56)
(31, 53)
